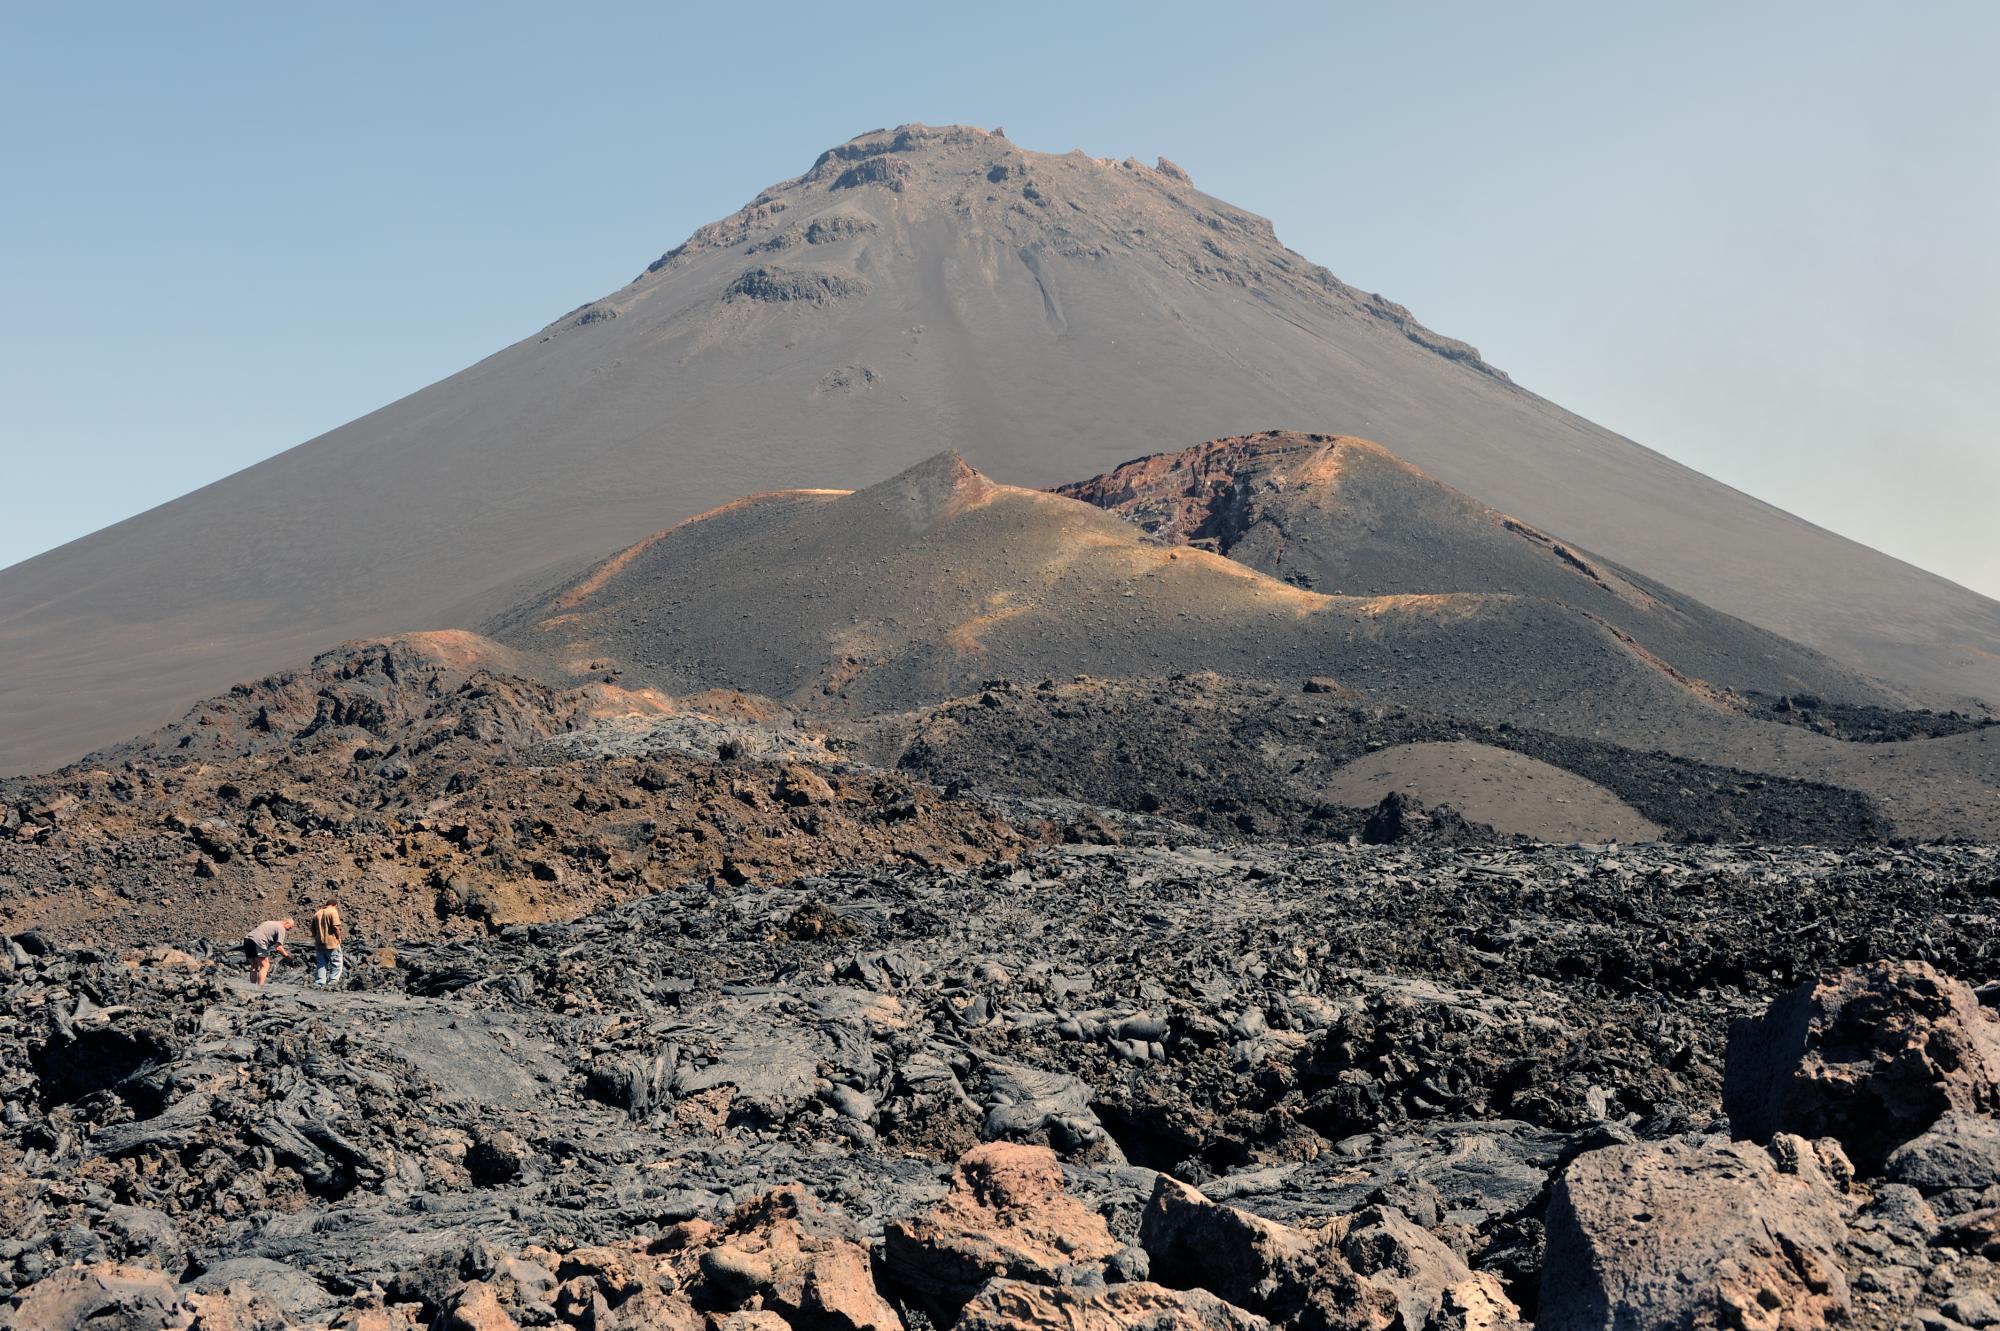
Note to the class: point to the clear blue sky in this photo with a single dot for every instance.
(1760, 238)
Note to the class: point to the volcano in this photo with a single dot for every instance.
(914, 590)
(916, 289)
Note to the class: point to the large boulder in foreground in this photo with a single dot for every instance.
(111, 1297)
(116, 1298)
(778, 1256)
(1006, 1217)
(1871, 1056)
(1012, 1305)
(1431, 1284)
(1678, 1236)
(780, 1253)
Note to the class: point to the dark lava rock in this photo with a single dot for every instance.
(1958, 1151)
(1361, 1067)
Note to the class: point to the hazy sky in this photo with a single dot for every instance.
(1764, 239)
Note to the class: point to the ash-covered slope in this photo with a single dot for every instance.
(917, 589)
(1046, 315)
(1347, 517)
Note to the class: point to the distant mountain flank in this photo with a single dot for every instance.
(1046, 316)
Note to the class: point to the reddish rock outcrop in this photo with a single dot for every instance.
(779, 1260)
(1872, 1056)
(1375, 1268)
(1006, 1217)
(781, 1253)
(109, 1297)
(1431, 1284)
(477, 1308)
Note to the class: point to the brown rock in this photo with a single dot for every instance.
(654, 1310)
(1673, 1235)
(1871, 1056)
(1006, 1217)
(105, 1297)
(477, 1308)
(1975, 1232)
(801, 786)
(610, 1269)
(686, 1234)
(374, 1317)
(1293, 1276)
(756, 1319)
(779, 1252)
(1430, 1283)
(1013, 1305)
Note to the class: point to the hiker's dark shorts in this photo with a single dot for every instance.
(252, 953)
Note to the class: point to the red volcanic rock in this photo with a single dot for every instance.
(1006, 1217)
(780, 1253)
(110, 1297)
(477, 1308)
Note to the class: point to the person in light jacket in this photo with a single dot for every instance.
(328, 962)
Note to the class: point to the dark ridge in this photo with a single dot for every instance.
(1858, 723)
(785, 284)
(1400, 318)
(821, 231)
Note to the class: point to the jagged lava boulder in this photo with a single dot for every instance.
(1681, 1236)
(1958, 1151)
(1283, 1273)
(1006, 1217)
(111, 1297)
(1871, 1056)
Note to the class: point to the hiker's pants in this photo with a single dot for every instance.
(328, 966)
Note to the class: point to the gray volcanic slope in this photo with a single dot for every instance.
(917, 289)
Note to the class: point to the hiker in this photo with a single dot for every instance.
(328, 962)
(261, 942)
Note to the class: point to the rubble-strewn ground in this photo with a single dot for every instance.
(439, 794)
(1298, 1033)
(1235, 756)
